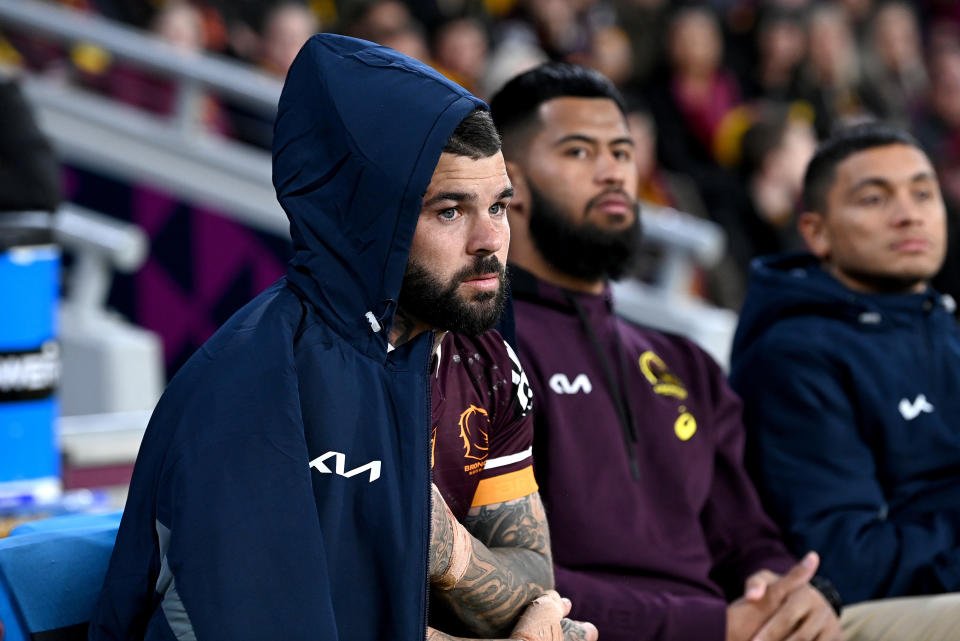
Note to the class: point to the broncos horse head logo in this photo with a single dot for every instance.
(476, 441)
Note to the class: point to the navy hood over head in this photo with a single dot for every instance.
(359, 131)
(851, 409)
(282, 487)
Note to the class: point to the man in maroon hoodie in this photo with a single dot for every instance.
(657, 531)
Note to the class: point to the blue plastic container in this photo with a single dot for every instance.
(29, 367)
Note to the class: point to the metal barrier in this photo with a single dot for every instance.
(173, 153)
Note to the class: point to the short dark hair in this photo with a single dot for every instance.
(842, 144)
(516, 104)
(475, 136)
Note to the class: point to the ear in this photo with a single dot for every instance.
(812, 227)
(520, 203)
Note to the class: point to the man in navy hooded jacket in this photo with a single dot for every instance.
(282, 490)
(849, 368)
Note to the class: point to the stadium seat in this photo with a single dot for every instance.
(51, 572)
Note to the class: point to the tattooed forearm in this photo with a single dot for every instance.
(515, 524)
(441, 538)
(511, 566)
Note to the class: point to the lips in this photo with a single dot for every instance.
(614, 203)
(484, 281)
(912, 245)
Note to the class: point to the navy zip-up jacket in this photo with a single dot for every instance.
(852, 408)
(282, 488)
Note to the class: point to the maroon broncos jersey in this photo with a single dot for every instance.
(482, 425)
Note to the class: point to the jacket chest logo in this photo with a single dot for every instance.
(666, 383)
(560, 384)
(339, 466)
(911, 410)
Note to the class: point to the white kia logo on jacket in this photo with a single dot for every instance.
(910, 411)
(560, 384)
(339, 466)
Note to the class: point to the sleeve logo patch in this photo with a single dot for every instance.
(519, 378)
(476, 440)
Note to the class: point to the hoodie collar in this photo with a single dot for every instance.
(525, 285)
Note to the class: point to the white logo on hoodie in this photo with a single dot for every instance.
(910, 411)
(560, 384)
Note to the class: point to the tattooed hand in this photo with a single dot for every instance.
(541, 619)
(578, 631)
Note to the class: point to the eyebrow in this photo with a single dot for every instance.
(463, 196)
(883, 182)
(456, 196)
(623, 140)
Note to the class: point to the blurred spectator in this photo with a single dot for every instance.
(704, 92)
(696, 104)
(858, 14)
(833, 69)
(896, 79)
(512, 57)
(645, 22)
(938, 130)
(781, 48)
(282, 30)
(286, 26)
(667, 190)
(610, 54)
(179, 24)
(658, 186)
(561, 28)
(775, 153)
(29, 171)
(376, 20)
(460, 51)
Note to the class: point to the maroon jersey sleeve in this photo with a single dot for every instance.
(508, 469)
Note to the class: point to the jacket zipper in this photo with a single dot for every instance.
(429, 489)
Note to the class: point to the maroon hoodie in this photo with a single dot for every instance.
(654, 553)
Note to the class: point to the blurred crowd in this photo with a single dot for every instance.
(727, 98)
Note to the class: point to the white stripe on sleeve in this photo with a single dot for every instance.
(500, 461)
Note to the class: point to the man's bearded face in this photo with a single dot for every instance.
(430, 299)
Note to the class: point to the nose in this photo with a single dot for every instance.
(906, 212)
(487, 235)
(609, 171)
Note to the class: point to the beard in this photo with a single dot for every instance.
(583, 250)
(429, 300)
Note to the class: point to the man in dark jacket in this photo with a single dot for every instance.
(282, 490)
(848, 363)
(657, 531)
